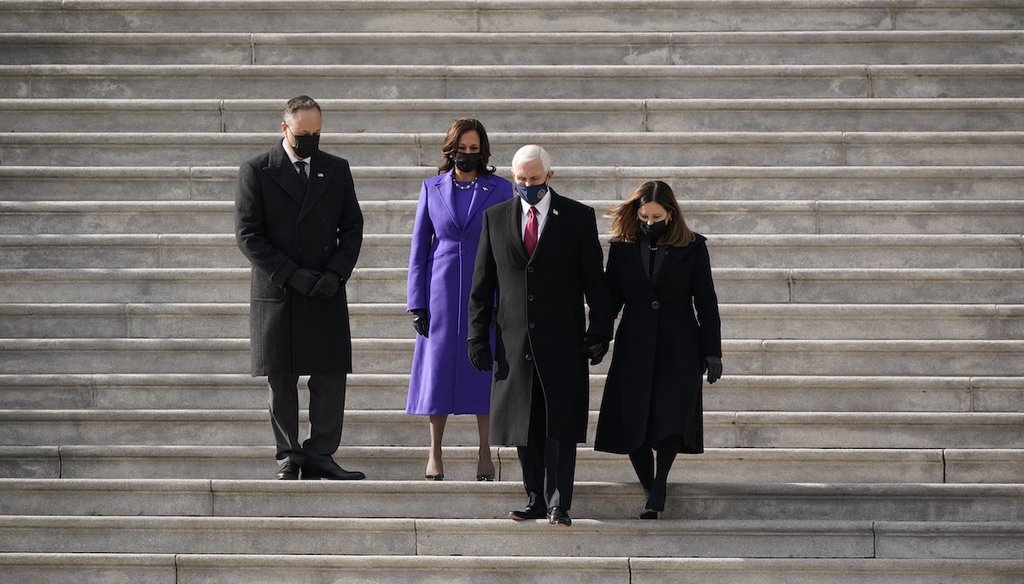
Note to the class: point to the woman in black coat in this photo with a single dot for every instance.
(659, 274)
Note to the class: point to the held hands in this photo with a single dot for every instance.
(326, 286)
(421, 321)
(713, 365)
(480, 354)
(594, 348)
(303, 280)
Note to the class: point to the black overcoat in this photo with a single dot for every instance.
(668, 326)
(280, 226)
(540, 316)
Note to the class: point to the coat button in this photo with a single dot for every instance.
(327, 248)
(527, 357)
(532, 325)
(655, 305)
(530, 269)
(530, 297)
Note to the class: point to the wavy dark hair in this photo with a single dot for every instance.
(451, 145)
(625, 219)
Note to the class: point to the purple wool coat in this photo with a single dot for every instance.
(442, 380)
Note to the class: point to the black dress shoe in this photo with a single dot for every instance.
(289, 471)
(649, 514)
(559, 516)
(331, 471)
(528, 512)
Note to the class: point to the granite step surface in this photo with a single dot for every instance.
(512, 81)
(893, 184)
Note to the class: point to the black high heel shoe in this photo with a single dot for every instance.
(435, 477)
(483, 477)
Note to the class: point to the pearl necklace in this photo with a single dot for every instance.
(468, 186)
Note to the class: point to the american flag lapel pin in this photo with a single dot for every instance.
(319, 175)
(554, 211)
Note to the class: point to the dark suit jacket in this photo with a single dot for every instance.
(280, 226)
(540, 315)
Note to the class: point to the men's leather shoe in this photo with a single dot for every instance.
(559, 516)
(289, 471)
(331, 471)
(528, 512)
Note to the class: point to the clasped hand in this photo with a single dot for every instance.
(315, 284)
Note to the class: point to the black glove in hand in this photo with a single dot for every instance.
(713, 365)
(421, 322)
(326, 286)
(595, 348)
(480, 354)
(303, 280)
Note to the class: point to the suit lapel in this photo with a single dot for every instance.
(673, 255)
(484, 192)
(514, 221)
(446, 194)
(551, 223)
(282, 172)
(320, 171)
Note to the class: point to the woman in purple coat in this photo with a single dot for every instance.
(444, 242)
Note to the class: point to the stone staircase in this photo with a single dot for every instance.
(858, 166)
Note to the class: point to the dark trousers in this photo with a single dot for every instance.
(326, 416)
(549, 466)
(655, 482)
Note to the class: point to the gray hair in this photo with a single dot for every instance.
(302, 102)
(532, 152)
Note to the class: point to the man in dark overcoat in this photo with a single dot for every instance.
(539, 257)
(299, 223)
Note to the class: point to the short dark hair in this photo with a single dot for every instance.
(295, 104)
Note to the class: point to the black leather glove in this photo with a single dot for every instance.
(421, 321)
(713, 365)
(303, 280)
(595, 348)
(326, 286)
(480, 354)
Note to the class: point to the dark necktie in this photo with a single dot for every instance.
(301, 165)
(530, 236)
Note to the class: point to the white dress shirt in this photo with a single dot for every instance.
(541, 209)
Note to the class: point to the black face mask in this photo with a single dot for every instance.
(306, 145)
(654, 231)
(467, 161)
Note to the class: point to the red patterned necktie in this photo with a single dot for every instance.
(530, 236)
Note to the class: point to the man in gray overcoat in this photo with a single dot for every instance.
(539, 256)
(299, 223)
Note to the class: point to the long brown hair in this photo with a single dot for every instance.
(625, 221)
(451, 145)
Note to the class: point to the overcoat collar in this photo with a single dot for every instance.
(671, 257)
(446, 191)
(514, 220)
(280, 169)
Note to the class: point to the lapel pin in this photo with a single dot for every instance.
(486, 189)
(319, 175)
(554, 211)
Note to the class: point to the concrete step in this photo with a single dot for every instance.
(516, 48)
(563, 115)
(32, 568)
(693, 183)
(885, 430)
(734, 285)
(403, 463)
(512, 81)
(595, 538)
(391, 321)
(568, 148)
(601, 15)
(425, 500)
(397, 217)
(744, 356)
(368, 391)
(392, 251)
